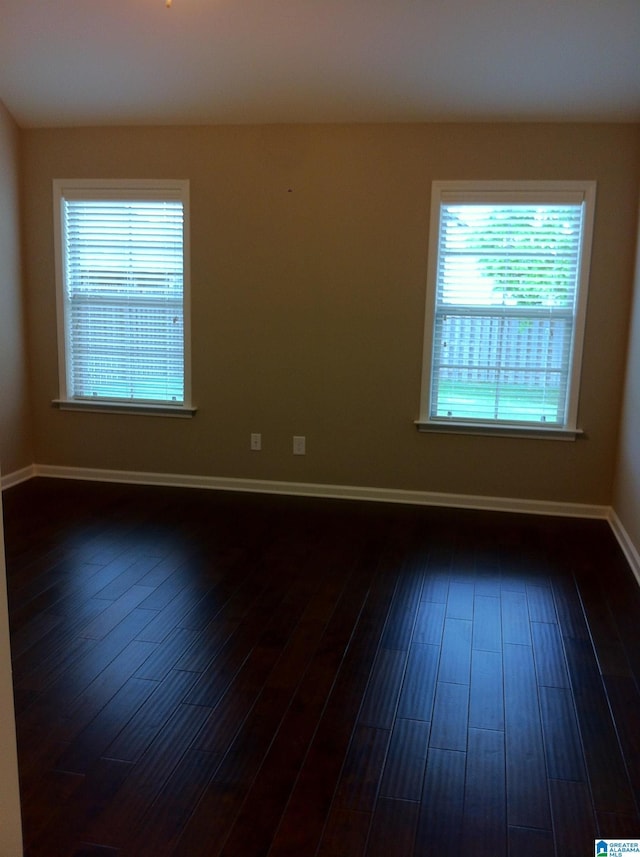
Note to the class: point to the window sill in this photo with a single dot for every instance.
(528, 431)
(139, 408)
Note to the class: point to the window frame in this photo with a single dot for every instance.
(119, 190)
(545, 193)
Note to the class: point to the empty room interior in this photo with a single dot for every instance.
(319, 428)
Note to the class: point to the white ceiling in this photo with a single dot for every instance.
(98, 62)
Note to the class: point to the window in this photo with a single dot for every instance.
(123, 295)
(506, 303)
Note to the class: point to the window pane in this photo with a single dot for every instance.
(521, 255)
(127, 351)
(505, 298)
(124, 299)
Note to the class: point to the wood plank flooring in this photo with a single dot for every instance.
(202, 673)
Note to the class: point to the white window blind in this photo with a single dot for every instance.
(506, 308)
(123, 295)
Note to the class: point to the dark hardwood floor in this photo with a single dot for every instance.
(202, 673)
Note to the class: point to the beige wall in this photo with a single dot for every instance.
(309, 250)
(15, 433)
(626, 501)
(10, 820)
(15, 453)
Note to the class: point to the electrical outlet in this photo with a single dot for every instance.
(299, 445)
(256, 441)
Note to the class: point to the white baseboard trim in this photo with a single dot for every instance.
(624, 540)
(342, 492)
(9, 479)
